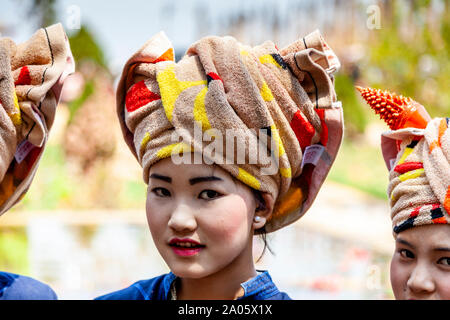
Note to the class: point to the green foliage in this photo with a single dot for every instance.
(445, 30)
(354, 112)
(52, 185)
(85, 47)
(411, 52)
(133, 194)
(13, 250)
(361, 166)
(78, 102)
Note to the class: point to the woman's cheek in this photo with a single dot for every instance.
(444, 286)
(398, 278)
(230, 225)
(152, 223)
(155, 220)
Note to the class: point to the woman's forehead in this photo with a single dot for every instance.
(427, 235)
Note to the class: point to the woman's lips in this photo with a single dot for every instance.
(186, 252)
(185, 247)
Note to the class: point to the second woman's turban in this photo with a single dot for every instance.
(419, 180)
(417, 154)
(220, 85)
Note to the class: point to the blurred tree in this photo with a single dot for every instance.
(83, 44)
(43, 10)
(85, 47)
(411, 53)
(90, 114)
(355, 114)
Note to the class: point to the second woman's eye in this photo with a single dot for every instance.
(209, 195)
(406, 254)
(161, 192)
(445, 261)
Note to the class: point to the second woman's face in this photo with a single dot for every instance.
(420, 267)
(199, 217)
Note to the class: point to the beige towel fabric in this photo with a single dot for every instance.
(419, 180)
(281, 102)
(31, 78)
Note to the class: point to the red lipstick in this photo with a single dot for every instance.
(185, 247)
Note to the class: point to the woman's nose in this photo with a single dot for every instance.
(182, 219)
(421, 280)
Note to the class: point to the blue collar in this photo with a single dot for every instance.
(260, 287)
(167, 283)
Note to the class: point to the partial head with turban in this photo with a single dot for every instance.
(417, 154)
(31, 79)
(222, 85)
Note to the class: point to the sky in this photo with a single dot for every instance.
(122, 27)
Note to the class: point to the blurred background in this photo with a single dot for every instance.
(81, 228)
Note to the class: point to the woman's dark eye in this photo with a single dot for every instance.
(161, 192)
(406, 254)
(445, 261)
(209, 194)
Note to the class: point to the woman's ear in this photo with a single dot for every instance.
(263, 211)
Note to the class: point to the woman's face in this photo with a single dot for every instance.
(200, 218)
(420, 267)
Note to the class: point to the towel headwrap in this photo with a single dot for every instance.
(31, 78)
(418, 159)
(220, 85)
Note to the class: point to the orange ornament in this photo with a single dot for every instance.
(397, 111)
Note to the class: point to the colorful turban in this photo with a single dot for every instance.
(419, 182)
(417, 154)
(31, 78)
(286, 96)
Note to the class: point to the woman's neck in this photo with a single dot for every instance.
(222, 285)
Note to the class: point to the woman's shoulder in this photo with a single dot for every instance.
(151, 289)
(18, 287)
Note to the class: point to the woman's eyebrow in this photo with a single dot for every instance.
(203, 179)
(442, 249)
(160, 177)
(405, 243)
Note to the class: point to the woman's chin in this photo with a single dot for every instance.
(187, 271)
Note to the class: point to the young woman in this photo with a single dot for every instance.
(234, 141)
(417, 153)
(31, 78)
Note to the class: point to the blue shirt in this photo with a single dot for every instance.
(16, 287)
(260, 287)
